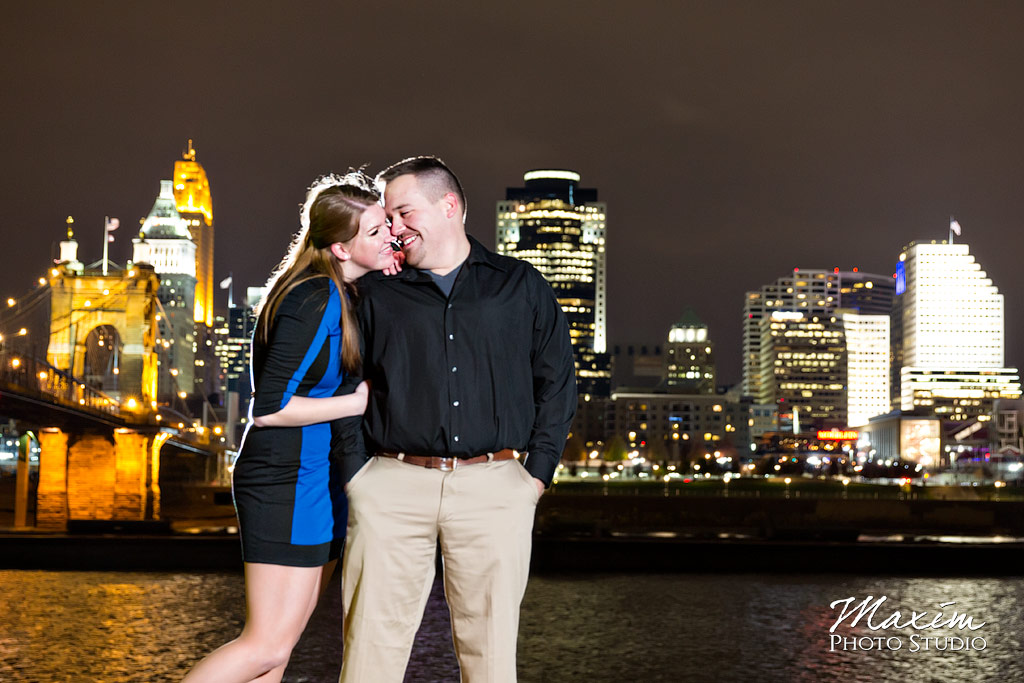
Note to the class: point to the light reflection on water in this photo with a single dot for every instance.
(118, 627)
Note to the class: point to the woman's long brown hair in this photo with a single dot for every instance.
(330, 214)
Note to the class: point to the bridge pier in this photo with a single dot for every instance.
(52, 492)
(98, 475)
(21, 486)
(130, 480)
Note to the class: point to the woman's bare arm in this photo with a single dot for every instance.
(303, 410)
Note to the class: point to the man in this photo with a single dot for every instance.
(473, 391)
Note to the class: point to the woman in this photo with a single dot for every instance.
(291, 514)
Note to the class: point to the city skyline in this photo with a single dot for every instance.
(731, 144)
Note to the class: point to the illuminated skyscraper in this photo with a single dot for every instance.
(689, 357)
(559, 227)
(233, 348)
(952, 344)
(192, 196)
(867, 366)
(234, 339)
(814, 293)
(810, 292)
(165, 244)
(804, 359)
(796, 342)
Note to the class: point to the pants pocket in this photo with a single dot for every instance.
(359, 476)
(528, 478)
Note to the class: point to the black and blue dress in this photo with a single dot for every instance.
(289, 496)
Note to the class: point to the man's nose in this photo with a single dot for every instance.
(396, 226)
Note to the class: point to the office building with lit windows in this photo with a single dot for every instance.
(233, 335)
(166, 244)
(804, 359)
(867, 366)
(673, 427)
(234, 341)
(951, 346)
(689, 357)
(811, 292)
(559, 228)
(810, 317)
(681, 414)
(814, 293)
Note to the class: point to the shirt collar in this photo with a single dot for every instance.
(478, 253)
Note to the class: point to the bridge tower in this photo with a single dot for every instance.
(123, 305)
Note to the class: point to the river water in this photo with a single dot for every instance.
(116, 627)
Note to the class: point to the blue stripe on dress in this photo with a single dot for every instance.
(313, 513)
(322, 331)
(332, 377)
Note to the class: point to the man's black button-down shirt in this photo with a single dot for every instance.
(488, 367)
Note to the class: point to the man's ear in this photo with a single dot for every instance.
(340, 252)
(451, 204)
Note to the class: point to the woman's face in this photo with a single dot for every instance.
(371, 248)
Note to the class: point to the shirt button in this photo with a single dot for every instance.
(454, 368)
(449, 305)
(455, 403)
(451, 336)
(456, 437)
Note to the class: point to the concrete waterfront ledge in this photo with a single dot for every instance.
(583, 532)
(120, 552)
(551, 554)
(805, 518)
(736, 556)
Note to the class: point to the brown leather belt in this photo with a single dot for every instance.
(435, 462)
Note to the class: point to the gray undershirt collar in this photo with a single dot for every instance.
(446, 282)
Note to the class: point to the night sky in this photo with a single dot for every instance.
(731, 141)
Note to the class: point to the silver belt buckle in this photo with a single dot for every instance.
(448, 464)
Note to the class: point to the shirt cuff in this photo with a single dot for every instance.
(541, 466)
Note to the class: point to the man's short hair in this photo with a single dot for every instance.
(431, 173)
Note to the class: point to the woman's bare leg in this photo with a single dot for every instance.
(276, 674)
(279, 601)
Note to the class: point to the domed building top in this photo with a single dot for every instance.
(164, 221)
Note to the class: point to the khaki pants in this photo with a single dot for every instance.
(483, 515)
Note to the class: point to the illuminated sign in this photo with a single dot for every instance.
(920, 441)
(901, 278)
(837, 434)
